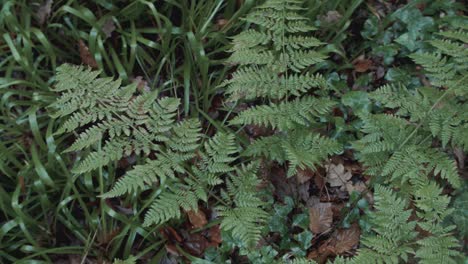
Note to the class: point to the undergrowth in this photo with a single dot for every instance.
(210, 131)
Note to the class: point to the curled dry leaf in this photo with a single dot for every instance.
(86, 56)
(197, 218)
(320, 216)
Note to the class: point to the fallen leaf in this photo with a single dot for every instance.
(86, 56)
(320, 216)
(214, 235)
(196, 244)
(344, 240)
(108, 27)
(304, 175)
(332, 17)
(197, 218)
(357, 186)
(43, 12)
(172, 249)
(337, 176)
(362, 65)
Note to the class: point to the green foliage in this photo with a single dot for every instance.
(129, 124)
(275, 58)
(215, 161)
(392, 232)
(244, 212)
(274, 54)
(406, 151)
(141, 124)
(301, 148)
(129, 260)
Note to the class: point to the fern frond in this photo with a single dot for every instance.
(164, 208)
(152, 172)
(129, 260)
(286, 115)
(220, 152)
(300, 148)
(392, 231)
(251, 83)
(247, 215)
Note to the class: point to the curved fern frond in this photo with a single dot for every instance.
(286, 115)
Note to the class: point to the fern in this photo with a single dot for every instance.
(114, 122)
(406, 151)
(300, 148)
(286, 115)
(185, 193)
(129, 260)
(274, 59)
(392, 232)
(273, 54)
(245, 214)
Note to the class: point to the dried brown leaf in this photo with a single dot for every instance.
(197, 218)
(344, 240)
(86, 56)
(304, 175)
(321, 217)
(196, 244)
(337, 176)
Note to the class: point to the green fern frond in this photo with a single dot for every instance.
(166, 207)
(121, 122)
(220, 152)
(152, 172)
(286, 115)
(300, 148)
(129, 260)
(247, 216)
(251, 83)
(392, 232)
(438, 249)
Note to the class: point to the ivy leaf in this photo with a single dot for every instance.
(305, 239)
(358, 101)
